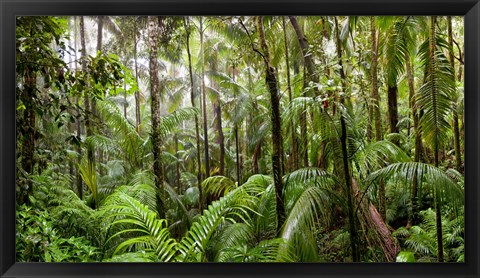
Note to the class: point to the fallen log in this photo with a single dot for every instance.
(371, 220)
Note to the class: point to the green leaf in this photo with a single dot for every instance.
(405, 257)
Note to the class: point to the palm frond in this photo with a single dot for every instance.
(433, 177)
(153, 235)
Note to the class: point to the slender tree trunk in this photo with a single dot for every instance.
(218, 116)
(125, 103)
(346, 168)
(88, 108)
(393, 110)
(376, 108)
(79, 181)
(84, 68)
(88, 127)
(456, 132)
(256, 154)
(290, 98)
(413, 217)
(221, 138)
(375, 95)
(370, 120)
(271, 81)
(460, 67)
(94, 102)
(100, 32)
(71, 111)
(186, 23)
(343, 77)
(432, 66)
(28, 147)
(307, 57)
(99, 48)
(204, 106)
(309, 74)
(155, 91)
(138, 116)
(235, 131)
(303, 124)
(177, 165)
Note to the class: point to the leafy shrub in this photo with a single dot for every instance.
(38, 241)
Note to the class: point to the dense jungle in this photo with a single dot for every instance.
(239, 139)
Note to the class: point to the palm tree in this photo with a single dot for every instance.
(435, 97)
(295, 158)
(309, 75)
(155, 90)
(78, 123)
(201, 31)
(186, 22)
(271, 81)
(217, 106)
(456, 132)
(397, 43)
(376, 106)
(345, 166)
(88, 126)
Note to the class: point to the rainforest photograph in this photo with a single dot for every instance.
(325, 139)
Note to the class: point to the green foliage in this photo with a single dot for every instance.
(405, 257)
(437, 94)
(125, 214)
(421, 240)
(89, 176)
(38, 241)
(433, 177)
(153, 235)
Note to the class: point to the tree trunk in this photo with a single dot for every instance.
(88, 127)
(271, 81)
(79, 181)
(343, 78)
(28, 147)
(307, 57)
(393, 111)
(432, 66)
(373, 70)
(373, 222)
(88, 106)
(204, 106)
(256, 154)
(309, 74)
(155, 91)
(456, 132)
(289, 90)
(413, 216)
(177, 165)
(100, 33)
(186, 24)
(303, 124)
(376, 108)
(138, 117)
(125, 103)
(235, 131)
(354, 244)
(218, 116)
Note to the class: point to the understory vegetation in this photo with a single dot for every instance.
(239, 139)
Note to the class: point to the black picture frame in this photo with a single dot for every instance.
(11, 8)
